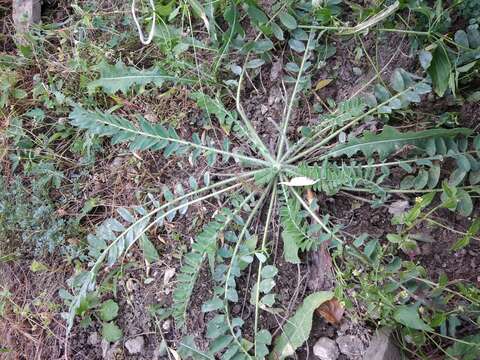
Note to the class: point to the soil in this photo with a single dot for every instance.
(32, 327)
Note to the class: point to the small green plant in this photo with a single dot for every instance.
(29, 222)
(93, 309)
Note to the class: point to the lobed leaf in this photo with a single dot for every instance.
(119, 77)
(391, 140)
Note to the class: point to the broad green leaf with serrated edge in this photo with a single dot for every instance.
(111, 332)
(297, 329)
(108, 310)
(120, 77)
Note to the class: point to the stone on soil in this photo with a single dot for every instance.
(350, 345)
(382, 347)
(135, 345)
(326, 349)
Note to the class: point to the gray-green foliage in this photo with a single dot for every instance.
(119, 77)
(228, 242)
(303, 229)
(28, 219)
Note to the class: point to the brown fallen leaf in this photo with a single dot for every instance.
(331, 310)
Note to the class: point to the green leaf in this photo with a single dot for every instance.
(255, 63)
(396, 81)
(468, 349)
(37, 266)
(263, 46)
(277, 31)
(266, 285)
(290, 248)
(111, 332)
(465, 204)
(425, 59)
(200, 12)
(204, 246)
(472, 231)
(298, 327)
(391, 140)
(256, 15)
(421, 180)
(433, 176)
(407, 182)
(214, 304)
(269, 271)
(150, 253)
(461, 38)
(394, 238)
(108, 310)
(296, 45)
(474, 177)
(408, 316)
(188, 349)
(440, 69)
(476, 142)
(456, 177)
(463, 163)
(215, 107)
(119, 77)
(288, 20)
(262, 339)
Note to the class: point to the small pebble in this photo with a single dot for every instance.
(326, 349)
(350, 345)
(135, 345)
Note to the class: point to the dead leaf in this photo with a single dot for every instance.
(299, 181)
(167, 276)
(175, 354)
(398, 207)
(310, 196)
(322, 83)
(332, 311)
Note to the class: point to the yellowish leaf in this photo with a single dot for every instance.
(322, 83)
